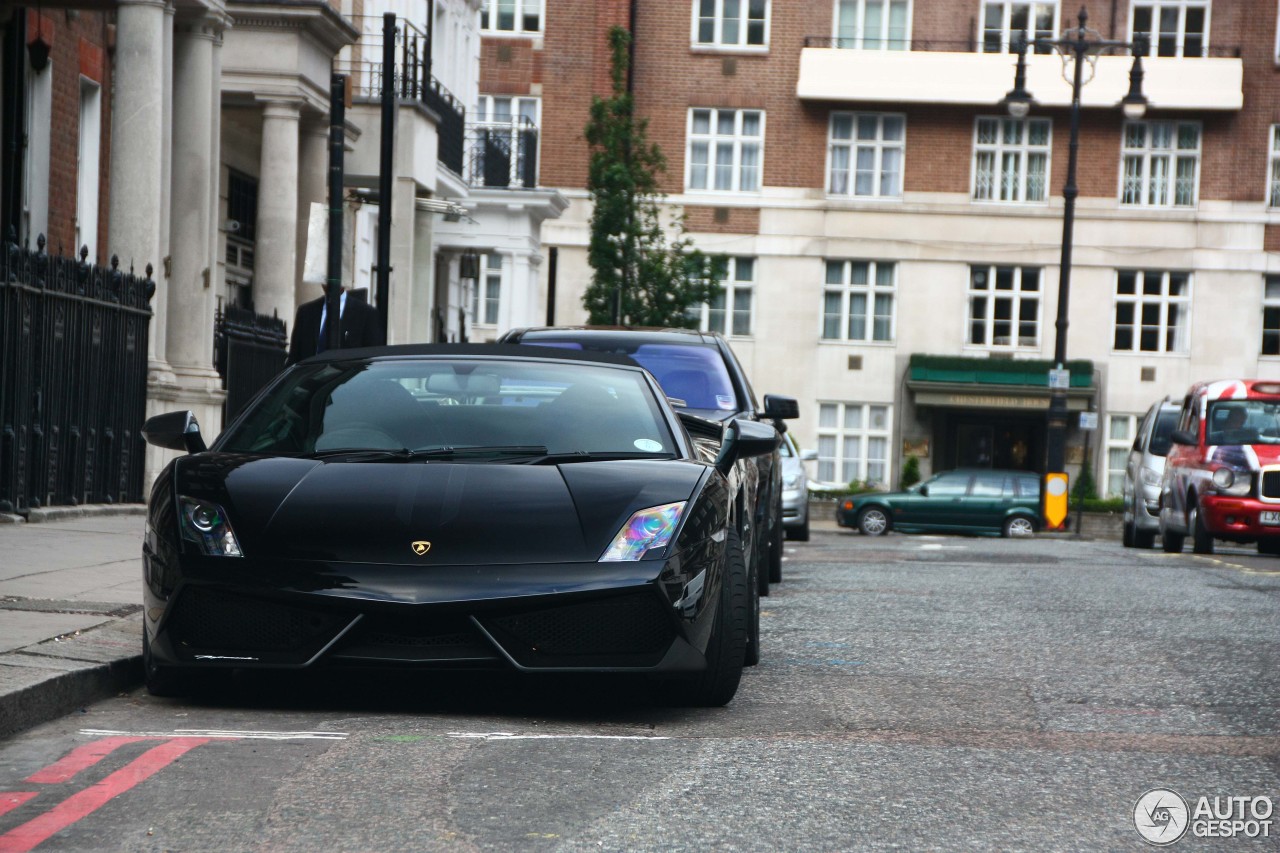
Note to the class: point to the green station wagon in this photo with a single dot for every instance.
(961, 501)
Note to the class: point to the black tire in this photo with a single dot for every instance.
(775, 557)
(1018, 527)
(1127, 534)
(1171, 542)
(1143, 538)
(873, 521)
(801, 533)
(751, 657)
(717, 684)
(1270, 547)
(161, 680)
(1201, 539)
(760, 557)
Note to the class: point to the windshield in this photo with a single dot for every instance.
(694, 375)
(1243, 422)
(469, 409)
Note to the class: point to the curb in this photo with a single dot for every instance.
(61, 694)
(64, 513)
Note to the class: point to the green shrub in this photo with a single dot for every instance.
(910, 472)
(1100, 504)
(1084, 489)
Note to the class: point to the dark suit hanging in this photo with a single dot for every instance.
(360, 327)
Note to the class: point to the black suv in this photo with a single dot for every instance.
(701, 375)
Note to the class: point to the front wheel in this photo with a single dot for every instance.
(160, 680)
(775, 557)
(726, 649)
(801, 533)
(873, 521)
(1270, 547)
(1126, 535)
(1171, 542)
(1018, 527)
(1201, 539)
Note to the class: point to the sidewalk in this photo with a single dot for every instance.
(70, 610)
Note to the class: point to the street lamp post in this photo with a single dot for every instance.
(1082, 45)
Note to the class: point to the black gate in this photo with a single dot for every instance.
(249, 350)
(73, 379)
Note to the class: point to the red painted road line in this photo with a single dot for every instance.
(78, 759)
(84, 803)
(10, 800)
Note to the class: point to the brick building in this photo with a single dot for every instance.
(895, 234)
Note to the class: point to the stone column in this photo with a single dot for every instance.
(189, 336)
(137, 137)
(275, 279)
(422, 279)
(313, 186)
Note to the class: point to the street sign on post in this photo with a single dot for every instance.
(1060, 379)
(1055, 500)
(1088, 420)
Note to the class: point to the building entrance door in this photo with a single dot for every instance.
(993, 439)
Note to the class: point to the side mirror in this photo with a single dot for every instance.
(924, 490)
(778, 407)
(174, 431)
(743, 439)
(808, 455)
(1182, 436)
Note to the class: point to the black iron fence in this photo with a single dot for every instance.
(502, 153)
(249, 350)
(73, 379)
(412, 81)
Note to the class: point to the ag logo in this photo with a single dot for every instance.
(1161, 816)
(421, 547)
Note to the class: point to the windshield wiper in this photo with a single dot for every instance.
(595, 456)
(364, 454)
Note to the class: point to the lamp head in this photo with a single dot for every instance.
(1018, 107)
(1134, 109)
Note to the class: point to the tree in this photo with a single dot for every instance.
(910, 472)
(639, 278)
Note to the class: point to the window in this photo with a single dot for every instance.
(872, 24)
(866, 155)
(725, 149)
(1172, 27)
(1271, 315)
(504, 124)
(511, 16)
(1011, 159)
(36, 165)
(1121, 432)
(857, 301)
(729, 311)
(731, 23)
(88, 170)
(853, 442)
(1004, 306)
(1161, 163)
(1273, 187)
(1152, 311)
(1002, 22)
(489, 295)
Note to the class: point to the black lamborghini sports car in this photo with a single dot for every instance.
(453, 506)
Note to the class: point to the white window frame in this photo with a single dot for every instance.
(1164, 301)
(880, 40)
(877, 146)
(88, 167)
(1156, 6)
(836, 441)
(1000, 150)
(1273, 168)
(489, 9)
(1007, 33)
(1145, 183)
(1120, 446)
(520, 108)
(742, 20)
(1271, 301)
(722, 319)
(486, 307)
(870, 292)
(1016, 297)
(715, 142)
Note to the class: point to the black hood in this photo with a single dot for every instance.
(472, 514)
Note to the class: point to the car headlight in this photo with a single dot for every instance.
(1227, 482)
(205, 523)
(645, 530)
(1151, 477)
(791, 481)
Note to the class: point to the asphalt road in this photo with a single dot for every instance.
(916, 693)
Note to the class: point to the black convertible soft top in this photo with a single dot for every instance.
(523, 353)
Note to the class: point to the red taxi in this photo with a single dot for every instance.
(1222, 475)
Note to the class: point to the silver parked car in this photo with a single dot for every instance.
(795, 488)
(1143, 473)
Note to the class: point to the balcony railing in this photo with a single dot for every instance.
(994, 43)
(502, 153)
(412, 81)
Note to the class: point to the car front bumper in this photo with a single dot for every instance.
(1238, 519)
(795, 507)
